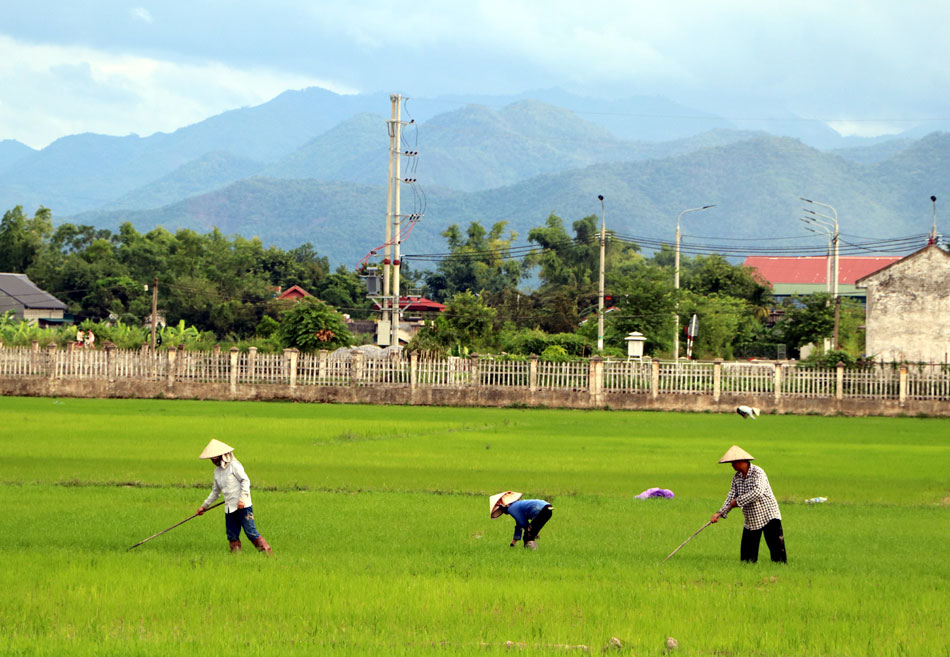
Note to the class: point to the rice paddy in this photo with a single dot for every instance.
(383, 545)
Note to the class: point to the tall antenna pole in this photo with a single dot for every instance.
(386, 316)
(397, 182)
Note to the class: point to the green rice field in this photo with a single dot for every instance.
(383, 544)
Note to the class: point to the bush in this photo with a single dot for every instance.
(555, 353)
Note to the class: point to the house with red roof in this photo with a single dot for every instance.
(802, 275)
(294, 293)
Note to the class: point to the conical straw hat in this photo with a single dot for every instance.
(736, 453)
(215, 448)
(505, 498)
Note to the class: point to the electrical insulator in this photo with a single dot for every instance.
(385, 261)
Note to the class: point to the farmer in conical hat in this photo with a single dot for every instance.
(750, 490)
(748, 412)
(231, 481)
(529, 515)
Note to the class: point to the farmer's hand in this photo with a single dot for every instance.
(200, 511)
(715, 517)
(240, 505)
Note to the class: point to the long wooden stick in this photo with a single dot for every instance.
(173, 526)
(688, 540)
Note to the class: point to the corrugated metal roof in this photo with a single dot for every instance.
(814, 270)
(25, 292)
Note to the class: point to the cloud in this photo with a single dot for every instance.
(50, 91)
(141, 14)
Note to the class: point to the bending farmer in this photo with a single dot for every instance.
(231, 481)
(529, 516)
(751, 490)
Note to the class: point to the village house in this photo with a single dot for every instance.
(28, 302)
(908, 308)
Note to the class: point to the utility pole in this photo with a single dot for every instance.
(676, 281)
(389, 221)
(933, 231)
(834, 223)
(397, 236)
(600, 297)
(154, 309)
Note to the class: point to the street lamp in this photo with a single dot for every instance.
(676, 281)
(818, 217)
(600, 297)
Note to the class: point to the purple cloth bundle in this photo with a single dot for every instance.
(655, 492)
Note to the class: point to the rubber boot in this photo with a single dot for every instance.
(262, 545)
(235, 546)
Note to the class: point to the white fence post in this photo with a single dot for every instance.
(235, 354)
(291, 362)
(717, 379)
(473, 365)
(356, 374)
(413, 370)
(51, 358)
(251, 364)
(902, 385)
(839, 380)
(777, 379)
(595, 381)
(655, 379)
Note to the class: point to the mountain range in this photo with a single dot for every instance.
(311, 166)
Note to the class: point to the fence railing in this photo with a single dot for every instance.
(596, 376)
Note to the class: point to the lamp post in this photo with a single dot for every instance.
(834, 222)
(600, 296)
(676, 281)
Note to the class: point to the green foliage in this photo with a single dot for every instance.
(808, 319)
(267, 326)
(310, 325)
(534, 341)
(478, 263)
(469, 319)
(831, 358)
(555, 353)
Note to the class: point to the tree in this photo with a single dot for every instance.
(469, 319)
(808, 319)
(310, 325)
(23, 238)
(477, 263)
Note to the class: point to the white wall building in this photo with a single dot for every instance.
(908, 308)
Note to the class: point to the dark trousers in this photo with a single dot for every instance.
(774, 538)
(534, 527)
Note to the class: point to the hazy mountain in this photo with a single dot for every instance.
(315, 133)
(874, 153)
(11, 151)
(755, 184)
(208, 172)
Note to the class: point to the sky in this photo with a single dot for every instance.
(119, 67)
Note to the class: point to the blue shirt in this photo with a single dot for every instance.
(523, 512)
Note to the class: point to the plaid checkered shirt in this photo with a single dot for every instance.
(754, 494)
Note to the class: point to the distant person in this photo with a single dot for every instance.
(530, 516)
(90, 339)
(751, 491)
(748, 412)
(80, 338)
(231, 481)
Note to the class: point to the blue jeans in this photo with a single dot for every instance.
(241, 518)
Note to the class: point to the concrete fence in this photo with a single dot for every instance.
(354, 377)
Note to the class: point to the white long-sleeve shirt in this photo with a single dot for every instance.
(230, 481)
